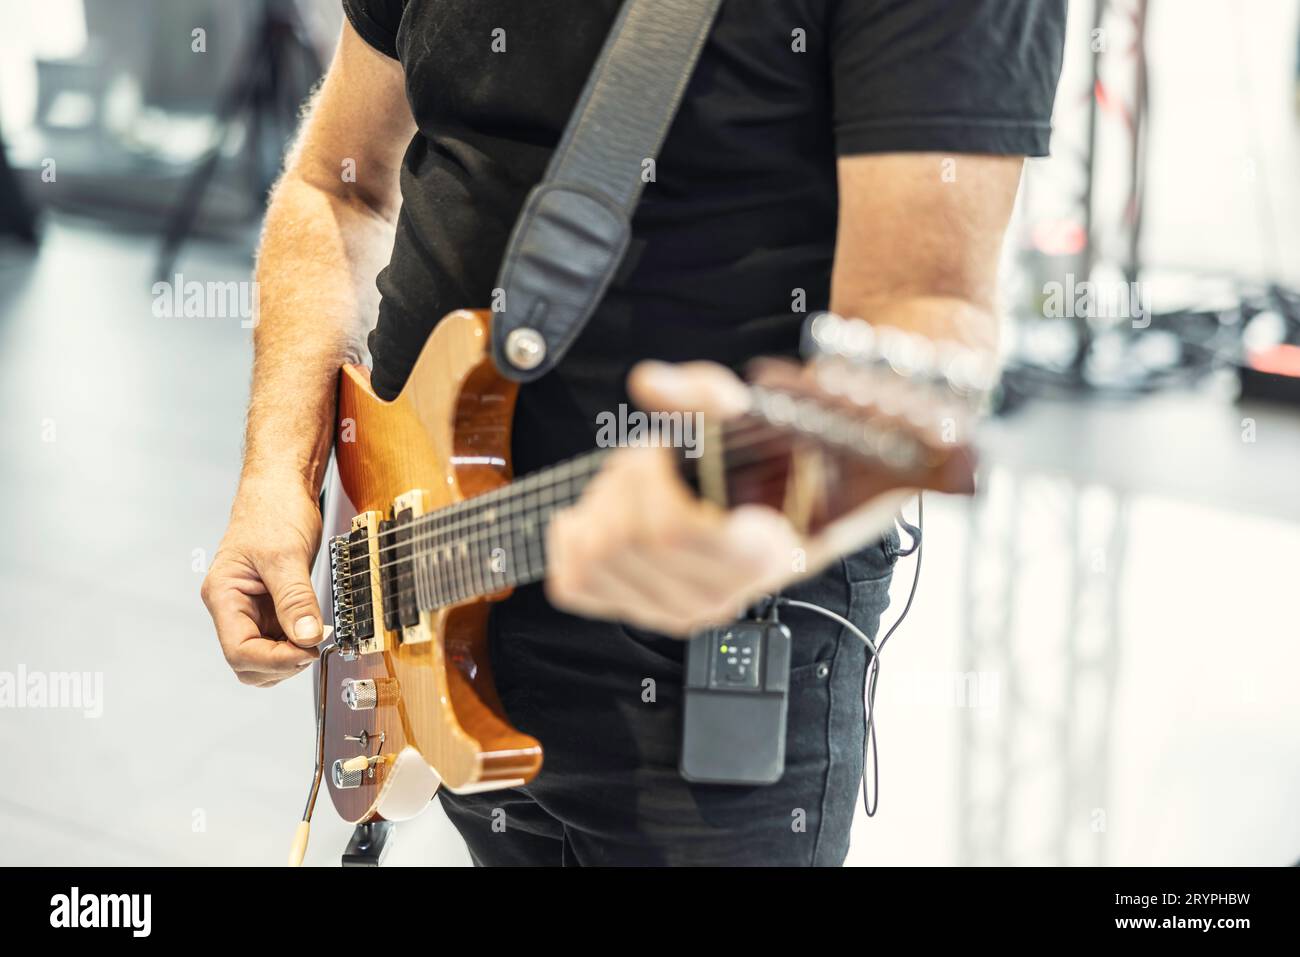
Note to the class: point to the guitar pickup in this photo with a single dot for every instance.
(410, 576)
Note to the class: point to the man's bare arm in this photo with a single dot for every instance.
(328, 232)
(919, 241)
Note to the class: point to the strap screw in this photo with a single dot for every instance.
(525, 348)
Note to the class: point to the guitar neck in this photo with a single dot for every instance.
(786, 453)
(487, 544)
(477, 548)
(497, 541)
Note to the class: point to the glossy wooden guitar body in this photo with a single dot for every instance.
(448, 434)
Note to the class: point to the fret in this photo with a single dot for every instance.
(544, 522)
(427, 596)
(518, 573)
(503, 573)
(447, 576)
(454, 592)
(417, 569)
(441, 591)
(431, 574)
(532, 532)
(493, 561)
(437, 577)
(458, 588)
(473, 550)
(467, 555)
(466, 566)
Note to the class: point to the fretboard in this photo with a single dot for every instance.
(486, 544)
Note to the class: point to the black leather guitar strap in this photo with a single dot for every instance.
(576, 224)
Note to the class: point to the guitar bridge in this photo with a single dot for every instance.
(356, 592)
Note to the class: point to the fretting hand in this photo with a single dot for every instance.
(639, 548)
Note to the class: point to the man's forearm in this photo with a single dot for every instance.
(919, 250)
(321, 250)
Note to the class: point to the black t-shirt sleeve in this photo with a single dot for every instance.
(975, 76)
(377, 22)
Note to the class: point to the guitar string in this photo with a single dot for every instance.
(468, 513)
(450, 589)
(472, 513)
(503, 529)
(500, 529)
(475, 518)
(475, 574)
(520, 488)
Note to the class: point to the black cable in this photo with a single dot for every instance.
(871, 676)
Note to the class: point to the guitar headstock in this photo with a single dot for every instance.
(872, 410)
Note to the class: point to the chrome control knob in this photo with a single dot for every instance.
(360, 694)
(347, 778)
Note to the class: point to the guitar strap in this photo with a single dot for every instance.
(576, 224)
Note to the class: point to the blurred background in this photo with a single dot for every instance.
(1101, 664)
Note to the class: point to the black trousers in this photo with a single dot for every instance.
(605, 701)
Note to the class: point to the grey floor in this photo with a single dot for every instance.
(1136, 704)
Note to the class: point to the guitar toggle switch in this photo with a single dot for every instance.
(365, 737)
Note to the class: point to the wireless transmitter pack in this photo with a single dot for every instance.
(736, 697)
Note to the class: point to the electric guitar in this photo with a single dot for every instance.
(434, 529)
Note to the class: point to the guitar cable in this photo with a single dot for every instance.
(299, 848)
(871, 676)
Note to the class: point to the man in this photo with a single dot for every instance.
(861, 155)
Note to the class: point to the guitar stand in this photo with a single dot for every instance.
(369, 844)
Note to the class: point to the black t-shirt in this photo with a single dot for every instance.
(742, 216)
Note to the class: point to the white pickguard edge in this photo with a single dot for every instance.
(410, 786)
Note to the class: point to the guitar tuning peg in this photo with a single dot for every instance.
(830, 335)
(858, 341)
(909, 355)
(820, 335)
(965, 371)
